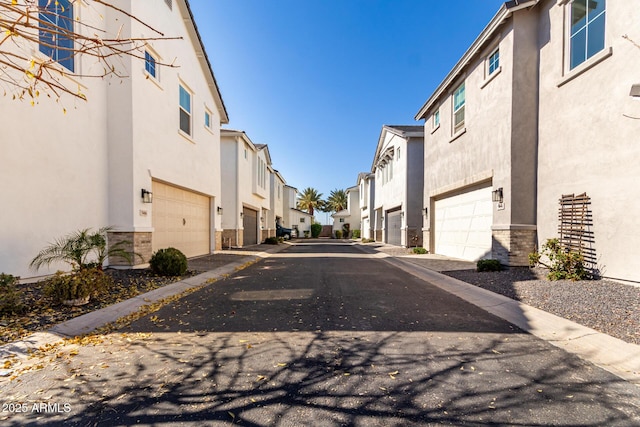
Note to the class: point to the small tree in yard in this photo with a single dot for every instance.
(561, 262)
(82, 249)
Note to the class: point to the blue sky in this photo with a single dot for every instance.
(317, 79)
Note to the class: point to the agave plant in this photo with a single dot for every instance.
(82, 249)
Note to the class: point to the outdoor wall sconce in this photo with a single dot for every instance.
(635, 90)
(240, 214)
(497, 195)
(219, 210)
(147, 196)
(426, 211)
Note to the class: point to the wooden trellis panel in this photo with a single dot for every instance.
(575, 226)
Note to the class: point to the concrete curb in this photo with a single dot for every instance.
(96, 319)
(612, 354)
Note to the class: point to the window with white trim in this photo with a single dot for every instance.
(458, 108)
(207, 119)
(436, 119)
(185, 110)
(55, 36)
(586, 30)
(493, 63)
(150, 64)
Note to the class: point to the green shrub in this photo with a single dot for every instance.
(419, 250)
(488, 265)
(78, 285)
(338, 234)
(563, 264)
(10, 298)
(356, 234)
(316, 229)
(368, 240)
(271, 241)
(168, 262)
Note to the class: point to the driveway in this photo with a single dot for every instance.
(319, 334)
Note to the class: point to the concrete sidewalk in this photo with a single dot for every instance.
(614, 355)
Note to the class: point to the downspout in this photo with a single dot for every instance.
(238, 211)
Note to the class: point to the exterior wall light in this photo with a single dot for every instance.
(496, 195)
(219, 210)
(635, 90)
(426, 211)
(147, 196)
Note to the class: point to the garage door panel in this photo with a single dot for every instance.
(394, 232)
(180, 220)
(463, 224)
(250, 225)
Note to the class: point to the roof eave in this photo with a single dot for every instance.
(503, 13)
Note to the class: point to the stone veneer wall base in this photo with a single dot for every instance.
(136, 241)
(512, 247)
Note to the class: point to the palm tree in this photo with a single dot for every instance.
(310, 200)
(337, 200)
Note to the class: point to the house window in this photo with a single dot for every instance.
(458, 108)
(185, 110)
(169, 3)
(398, 155)
(301, 219)
(341, 219)
(150, 64)
(436, 119)
(207, 119)
(494, 61)
(586, 30)
(56, 31)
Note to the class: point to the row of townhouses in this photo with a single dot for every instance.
(145, 155)
(533, 134)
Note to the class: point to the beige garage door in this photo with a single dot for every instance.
(463, 225)
(181, 219)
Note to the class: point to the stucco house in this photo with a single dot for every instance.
(246, 193)
(142, 154)
(398, 167)
(366, 192)
(351, 215)
(538, 108)
(275, 215)
(293, 217)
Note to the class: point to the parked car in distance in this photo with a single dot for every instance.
(285, 233)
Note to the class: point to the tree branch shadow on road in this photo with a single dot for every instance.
(246, 352)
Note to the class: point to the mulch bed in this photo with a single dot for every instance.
(42, 314)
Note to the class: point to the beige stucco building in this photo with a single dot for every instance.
(157, 129)
(537, 108)
(349, 218)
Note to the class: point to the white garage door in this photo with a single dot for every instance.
(394, 224)
(181, 219)
(463, 225)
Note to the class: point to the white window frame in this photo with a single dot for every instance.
(568, 34)
(460, 126)
(491, 68)
(207, 113)
(182, 86)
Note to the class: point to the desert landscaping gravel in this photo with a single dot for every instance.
(606, 306)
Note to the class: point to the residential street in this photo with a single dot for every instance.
(319, 334)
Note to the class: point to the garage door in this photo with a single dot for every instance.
(394, 223)
(250, 224)
(181, 219)
(463, 225)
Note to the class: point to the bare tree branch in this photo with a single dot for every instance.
(27, 29)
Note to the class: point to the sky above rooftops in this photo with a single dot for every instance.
(316, 80)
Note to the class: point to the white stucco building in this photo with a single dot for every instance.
(351, 215)
(156, 130)
(398, 167)
(293, 217)
(246, 193)
(366, 184)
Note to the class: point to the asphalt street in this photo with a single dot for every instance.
(321, 335)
